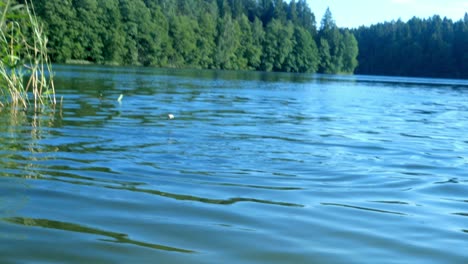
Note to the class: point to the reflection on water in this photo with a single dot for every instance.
(111, 236)
(364, 208)
(21, 131)
(255, 167)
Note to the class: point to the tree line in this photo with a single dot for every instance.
(267, 35)
(433, 47)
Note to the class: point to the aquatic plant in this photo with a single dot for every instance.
(25, 68)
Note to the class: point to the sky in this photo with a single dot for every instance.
(354, 13)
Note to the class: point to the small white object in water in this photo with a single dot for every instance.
(120, 98)
(170, 116)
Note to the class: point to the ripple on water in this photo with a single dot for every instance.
(294, 170)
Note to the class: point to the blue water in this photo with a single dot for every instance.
(254, 168)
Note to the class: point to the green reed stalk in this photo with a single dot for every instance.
(25, 68)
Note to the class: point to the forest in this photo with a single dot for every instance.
(433, 47)
(266, 35)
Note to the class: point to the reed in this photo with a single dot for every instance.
(25, 69)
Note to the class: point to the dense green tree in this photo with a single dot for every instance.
(146, 40)
(237, 8)
(182, 32)
(280, 10)
(161, 46)
(328, 23)
(206, 41)
(228, 44)
(169, 7)
(90, 28)
(224, 8)
(278, 45)
(254, 54)
(130, 20)
(226, 34)
(434, 47)
(247, 46)
(460, 46)
(338, 48)
(325, 65)
(305, 56)
(62, 33)
(306, 18)
(112, 37)
(251, 9)
(330, 45)
(266, 11)
(292, 12)
(350, 53)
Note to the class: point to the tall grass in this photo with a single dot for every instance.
(25, 69)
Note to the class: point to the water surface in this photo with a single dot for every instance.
(254, 168)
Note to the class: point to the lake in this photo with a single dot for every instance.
(253, 168)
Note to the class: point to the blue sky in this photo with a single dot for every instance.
(353, 13)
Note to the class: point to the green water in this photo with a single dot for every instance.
(254, 168)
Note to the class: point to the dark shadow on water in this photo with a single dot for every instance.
(126, 186)
(452, 180)
(391, 202)
(185, 197)
(209, 200)
(259, 186)
(363, 208)
(461, 214)
(65, 226)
